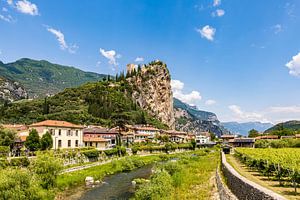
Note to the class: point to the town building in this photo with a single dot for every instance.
(226, 138)
(64, 134)
(142, 133)
(267, 137)
(99, 137)
(176, 136)
(242, 142)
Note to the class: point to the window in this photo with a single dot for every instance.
(52, 132)
(69, 143)
(59, 132)
(91, 144)
(76, 133)
(59, 143)
(76, 143)
(69, 133)
(85, 144)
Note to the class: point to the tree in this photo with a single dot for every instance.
(7, 138)
(47, 168)
(45, 107)
(33, 140)
(46, 141)
(212, 136)
(194, 144)
(253, 133)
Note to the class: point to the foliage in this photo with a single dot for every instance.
(33, 141)
(46, 141)
(285, 128)
(4, 151)
(91, 154)
(273, 162)
(19, 162)
(47, 168)
(19, 184)
(253, 133)
(159, 187)
(282, 143)
(7, 137)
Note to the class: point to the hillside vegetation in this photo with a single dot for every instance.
(290, 126)
(104, 103)
(41, 78)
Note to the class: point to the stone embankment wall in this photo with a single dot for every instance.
(242, 188)
(224, 192)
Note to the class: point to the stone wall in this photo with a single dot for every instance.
(242, 188)
(224, 192)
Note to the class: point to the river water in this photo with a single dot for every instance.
(117, 186)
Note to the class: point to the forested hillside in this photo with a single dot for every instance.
(42, 78)
(105, 103)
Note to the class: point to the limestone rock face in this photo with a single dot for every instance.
(11, 91)
(152, 91)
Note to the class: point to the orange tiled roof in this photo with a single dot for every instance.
(55, 123)
(267, 137)
(94, 139)
(227, 136)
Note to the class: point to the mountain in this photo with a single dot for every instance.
(189, 118)
(11, 91)
(244, 128)
(293, 125)
(142, 96)
(42, 78)
(152, 90)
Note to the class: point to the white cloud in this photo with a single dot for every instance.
(7, 18)
(139, 59)
(294, 65)
(241, 116)
(217, 2)
(177, 85)
(191, 98)
(111, 55)
(0, 52)
(277, 28)
(285, 109)
(61, 40)
(27, 7)
(210, 102)
(218, 13)
(4, 9)
(207, 32)
(10, 2)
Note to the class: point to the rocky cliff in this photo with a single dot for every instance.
(152, 90)
(11, 91)
(190, 119)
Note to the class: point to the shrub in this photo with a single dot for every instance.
(19, 162)
(3, 163)
(91, 154)
(172, 167)
(47, 168)
(134, 150)
(4, 151)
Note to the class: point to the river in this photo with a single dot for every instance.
(117, 186)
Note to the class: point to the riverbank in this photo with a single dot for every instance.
(68, 183)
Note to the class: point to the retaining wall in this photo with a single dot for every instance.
(244, 189)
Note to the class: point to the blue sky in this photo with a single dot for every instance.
(237, 58)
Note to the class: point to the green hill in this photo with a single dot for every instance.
(289, 125)
(103, 103)
(41, 78)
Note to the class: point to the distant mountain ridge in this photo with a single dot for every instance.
(189, 118)
(293, 125)
(244, 128)
(42, 78)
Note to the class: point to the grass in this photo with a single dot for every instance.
(196, 178)
(255, 176)
(190, 177)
